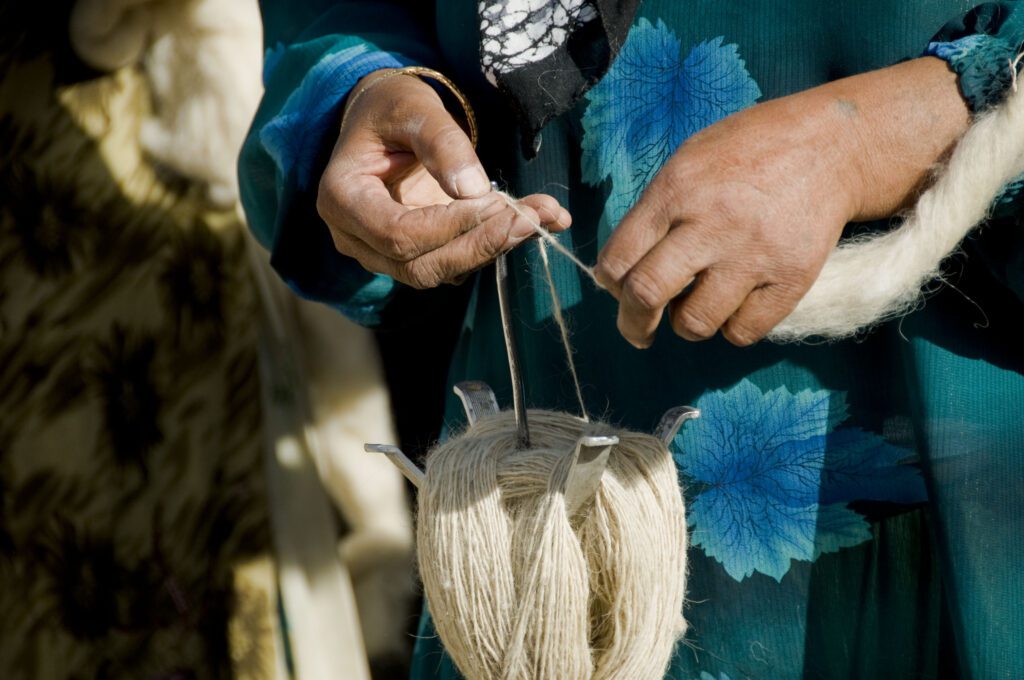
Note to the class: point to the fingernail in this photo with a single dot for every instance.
(471, 182)
(564, 218)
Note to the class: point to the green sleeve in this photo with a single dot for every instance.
(1000, 242)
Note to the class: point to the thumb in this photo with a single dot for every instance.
(423, 125)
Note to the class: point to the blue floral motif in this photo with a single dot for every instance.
(704, 675)
(649, 102)
(772, 474)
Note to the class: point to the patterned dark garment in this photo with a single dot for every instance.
(516, 34)
(545, 54)
(132, 501)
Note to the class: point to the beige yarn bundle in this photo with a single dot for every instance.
(518, 589)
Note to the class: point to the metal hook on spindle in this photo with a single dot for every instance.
(590, 455)
(673, 420)
(409, 469)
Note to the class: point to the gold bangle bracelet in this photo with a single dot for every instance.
(422, 72)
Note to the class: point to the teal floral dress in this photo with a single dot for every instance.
(855, 507)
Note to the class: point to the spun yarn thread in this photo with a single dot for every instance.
(521, 591)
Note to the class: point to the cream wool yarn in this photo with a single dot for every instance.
(521, 591)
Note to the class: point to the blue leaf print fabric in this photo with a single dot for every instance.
(771, 475)
(649, 102)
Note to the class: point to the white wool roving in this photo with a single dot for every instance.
(205, 72)
(521, 591)
(866, 281)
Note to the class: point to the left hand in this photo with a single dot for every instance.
(737, 225)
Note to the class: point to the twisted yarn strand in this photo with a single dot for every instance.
(563, 328)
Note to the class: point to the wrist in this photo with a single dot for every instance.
(437, 82)
(362, 86)
(829, 126)
(893, 125)
(368, 81)
(844, 128)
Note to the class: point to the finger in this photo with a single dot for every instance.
(472, 250)
(495, 234)
(368, 258)
(552, 215)
(422, 124)
(503, 228)
(655, 280)
(362, 207)
(642, 227)
(372, 260)
(764, 308)
(709, 303)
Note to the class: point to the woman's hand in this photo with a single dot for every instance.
(405, 195)
(744, 214)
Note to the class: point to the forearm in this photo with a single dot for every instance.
(895, 125)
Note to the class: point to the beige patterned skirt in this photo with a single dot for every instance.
(133, 522)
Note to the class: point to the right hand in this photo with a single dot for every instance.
(405, 194)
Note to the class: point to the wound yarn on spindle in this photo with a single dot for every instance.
(518, 589)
